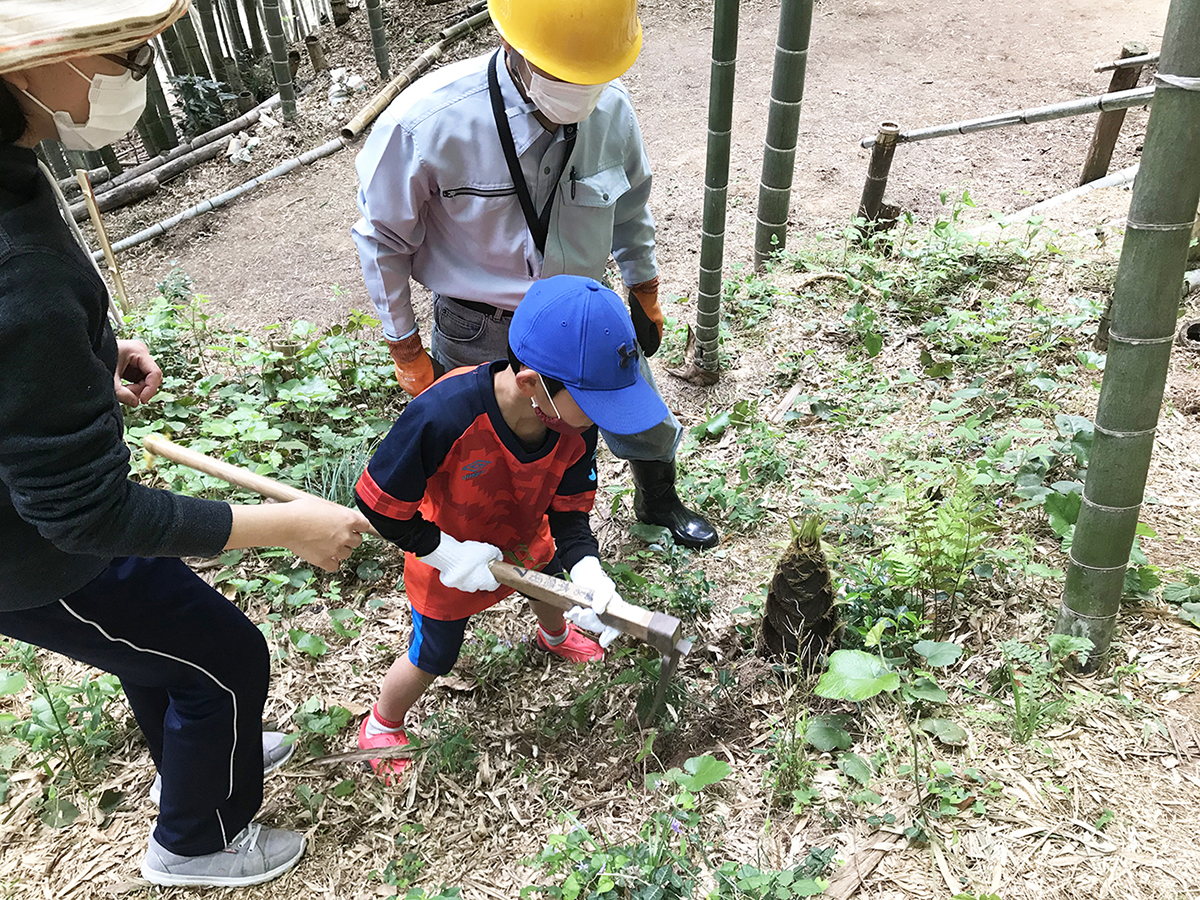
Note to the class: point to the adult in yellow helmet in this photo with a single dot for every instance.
(492, 173)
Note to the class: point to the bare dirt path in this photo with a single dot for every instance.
(280, 253)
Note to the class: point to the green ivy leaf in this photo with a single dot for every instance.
(11, 683)
(926, 689)
(939, 653)
(704, 770)
(828, 733)
(855, 675)
(59, 813)
(854, 766)
(311, 644)
(1189, 612)
(946, 731)
(652, 534)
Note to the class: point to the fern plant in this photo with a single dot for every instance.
(1031, 674)
(940, 535)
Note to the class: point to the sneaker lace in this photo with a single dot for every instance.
(247, 838)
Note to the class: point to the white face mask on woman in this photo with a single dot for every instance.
(117, 102)
(561, 101)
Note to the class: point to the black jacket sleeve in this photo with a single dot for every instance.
(63, 459)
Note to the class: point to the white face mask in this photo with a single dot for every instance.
(116, 101)
(561, 101)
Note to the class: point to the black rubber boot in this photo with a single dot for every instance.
(656, 503)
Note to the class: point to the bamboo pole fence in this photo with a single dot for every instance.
(161, 228)
(783, 126)
(716, 189)
(448, 36)
(279, 58)
(1144, 309)
(1122, 62)
(1101, 103)
(1108, 125)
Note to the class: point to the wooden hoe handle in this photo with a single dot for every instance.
(658, 630)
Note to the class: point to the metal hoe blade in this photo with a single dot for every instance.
(666, 671)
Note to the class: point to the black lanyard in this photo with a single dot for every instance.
(539, 226)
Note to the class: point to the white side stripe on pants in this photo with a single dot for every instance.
(216, 681)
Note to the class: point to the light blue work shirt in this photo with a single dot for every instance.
(438, 203)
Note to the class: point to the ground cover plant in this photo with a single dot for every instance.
(939, 387)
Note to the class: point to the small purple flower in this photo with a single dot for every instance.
(676, 825)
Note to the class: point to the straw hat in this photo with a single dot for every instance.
(38, 32)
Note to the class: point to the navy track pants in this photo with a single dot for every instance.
(195, 671)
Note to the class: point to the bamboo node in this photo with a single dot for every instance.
(1124, 434)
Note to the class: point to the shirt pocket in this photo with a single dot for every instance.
(585, 222)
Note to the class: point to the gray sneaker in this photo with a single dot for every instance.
(255, 855)
(275, 754)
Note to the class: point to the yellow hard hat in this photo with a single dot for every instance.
(581, 41)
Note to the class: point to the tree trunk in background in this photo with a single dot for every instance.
(1144, 311)
(279, 58)
(716, 182)
(231, 17)
(52, 155)
(783, 124)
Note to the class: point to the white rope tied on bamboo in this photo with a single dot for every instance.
(1159, 226)
(1076, 614)
(1113, 509)
(1124, 434)
(1076, 562)
(1137, 342)
(1180, 82)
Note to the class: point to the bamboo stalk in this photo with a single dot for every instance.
(877, 171)
(378, 38)
(51, 153)
(352, 129)
(122, 297)
(110, 164)
(173, 49)
(258, 35)
(161, 123)
(161, 228)
(208, 22)
(783, 126)
(279, 58)
(1101, 103)
(1144, 310)
(316, 53)
(716, 183)
(1108, 124)
(191, 46)
(232, 20)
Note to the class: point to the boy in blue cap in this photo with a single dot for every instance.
(500, 461)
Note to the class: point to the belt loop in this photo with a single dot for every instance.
(498, 314)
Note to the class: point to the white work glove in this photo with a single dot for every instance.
(463, 565)
(587, 573)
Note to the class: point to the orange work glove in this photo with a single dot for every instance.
(414, 368)
(647, 315)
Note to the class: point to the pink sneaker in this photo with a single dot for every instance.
(389, 770)
(577, 648)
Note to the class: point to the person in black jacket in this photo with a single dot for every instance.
(89, 561)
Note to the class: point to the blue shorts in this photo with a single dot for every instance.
(435, 643)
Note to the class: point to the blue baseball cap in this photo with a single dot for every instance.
(577, 331)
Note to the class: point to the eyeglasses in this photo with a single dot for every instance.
(139, 60)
